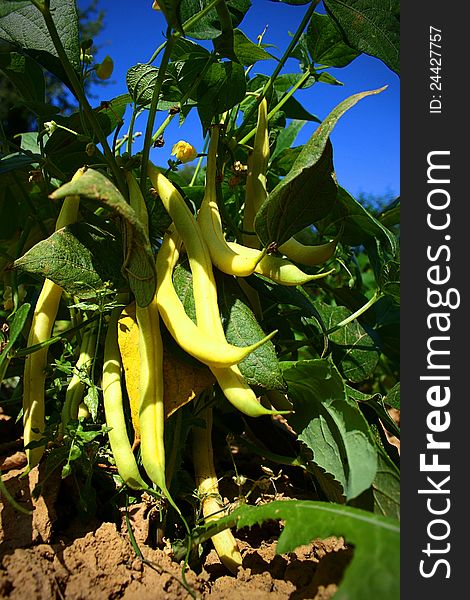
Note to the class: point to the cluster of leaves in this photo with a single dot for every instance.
(335, 359)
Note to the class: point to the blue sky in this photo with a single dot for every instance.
(366, 139)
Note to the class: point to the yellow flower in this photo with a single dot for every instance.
(184, 152)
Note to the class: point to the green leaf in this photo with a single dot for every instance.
(140, 81)
(16, 327)
(224, 43)
(325, 77)
(386, 487)
(354, 351)
(111, 113)
(376, 403)
(287, 137)
(261, 367)
(92, 401)
(383, 497)
(326, 44)
(293, 2)
(222, 86)
(283, 161)
(68, 151)
(209, 27)
(24, 73)
(386, 268)
(308, 192)
(190, 61)
(393, 396)
(330, 424)
(170, 8)
(23, 25)
(358, 225)
(247, 52)
(305, 195)
(15, 161)
(390, 216)
(370, 26)
(305, 521)
(292, 109)
(183, 282)
(139, 264)
(81, 258)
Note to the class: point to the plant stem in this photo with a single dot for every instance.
(196, 82)
(52, 340)
(156, 53)
(279, 105)
(187, 26)
(269, 84)
(81, 96)
(153, 108)
(163, 126)
(130, 134)
(199, 162)
(358, 313)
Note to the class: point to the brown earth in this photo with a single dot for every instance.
(52, 555)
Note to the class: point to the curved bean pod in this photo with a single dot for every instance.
(189, 336)
(207, 484)
(44, 315)
(113, 409)
(283, 271)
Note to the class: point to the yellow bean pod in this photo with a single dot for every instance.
(151, 408)
(76, 387)
(282, 271)
(188, 335)
(114, 411)
(308, 255)
(44, 315)
(255, 190)
(230, 379)
(222, 255)
(207, 484)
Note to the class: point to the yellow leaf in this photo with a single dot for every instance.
(182, 382)
(128, 340)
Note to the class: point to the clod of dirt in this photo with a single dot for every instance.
(19, 530)
(98, 562)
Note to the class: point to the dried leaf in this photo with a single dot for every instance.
(128, 340)
(182, 381)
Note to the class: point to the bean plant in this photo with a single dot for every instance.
(156, 326)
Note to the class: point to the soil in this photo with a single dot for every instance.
(44, 556)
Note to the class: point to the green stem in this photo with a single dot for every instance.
(156, 53)
(279, 105)
(153, 108)
(187, 26)
(163, 126)
(269, 84)
(358, 313)
(196, 82)
(52, 340)
(130, 133)
(199, 162)
(192, 21)
(79, 92)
